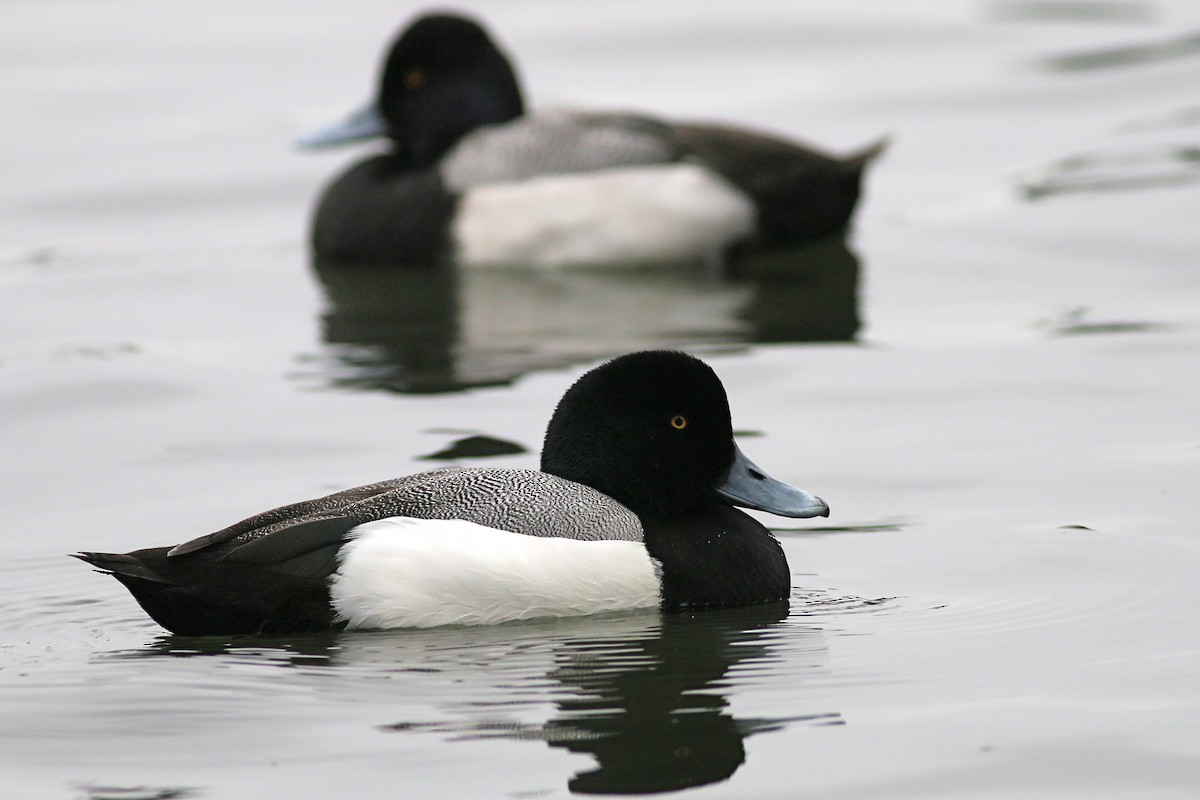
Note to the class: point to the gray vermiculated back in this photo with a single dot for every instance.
(516, 500)
(554, 142)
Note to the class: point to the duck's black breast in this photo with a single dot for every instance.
(382, 210)
(717, 556)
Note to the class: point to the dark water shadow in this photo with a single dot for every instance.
(646, 696)
(1072, 11)
(1077, 322)
(888, 526)
(475, 446)
(1143, 166)
(1123, 56)
(95, 791)
(440, 329)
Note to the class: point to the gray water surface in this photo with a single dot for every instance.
(996, 392)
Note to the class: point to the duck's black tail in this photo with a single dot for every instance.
(260, 589)
(122, 566)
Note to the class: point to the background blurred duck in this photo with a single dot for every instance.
(473, 179)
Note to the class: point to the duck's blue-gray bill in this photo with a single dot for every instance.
(366, 123)
(748, 486)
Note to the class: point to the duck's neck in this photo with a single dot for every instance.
(716, 556)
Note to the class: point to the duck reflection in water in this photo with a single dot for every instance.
(646, 695)
(649, 706)
(437, 329)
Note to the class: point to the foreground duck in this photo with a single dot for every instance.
(473, 179)
(633, 508)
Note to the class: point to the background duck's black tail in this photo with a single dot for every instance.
(800, 193)
(869, 153)
(813, 196)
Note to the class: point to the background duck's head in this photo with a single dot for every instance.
(443, 78)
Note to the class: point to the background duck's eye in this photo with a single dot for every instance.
(414, 78)
(678, 422)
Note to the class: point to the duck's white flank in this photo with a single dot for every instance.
(635, 215)
(415, 573)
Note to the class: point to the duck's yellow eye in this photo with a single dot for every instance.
(414, 78)
(678, 422)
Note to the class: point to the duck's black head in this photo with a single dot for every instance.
(653, 431)
(443, 78)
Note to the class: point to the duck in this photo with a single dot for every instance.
(474, 179)
(637, 504)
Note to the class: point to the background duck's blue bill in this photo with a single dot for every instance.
(748, 486)
(366, 123)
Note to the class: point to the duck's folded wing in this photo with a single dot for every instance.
(555, 142)
(516, 500)
(305, 549)
(285, 516)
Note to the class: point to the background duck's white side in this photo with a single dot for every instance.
(402, 572)
(561, 187)
(631, 215)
